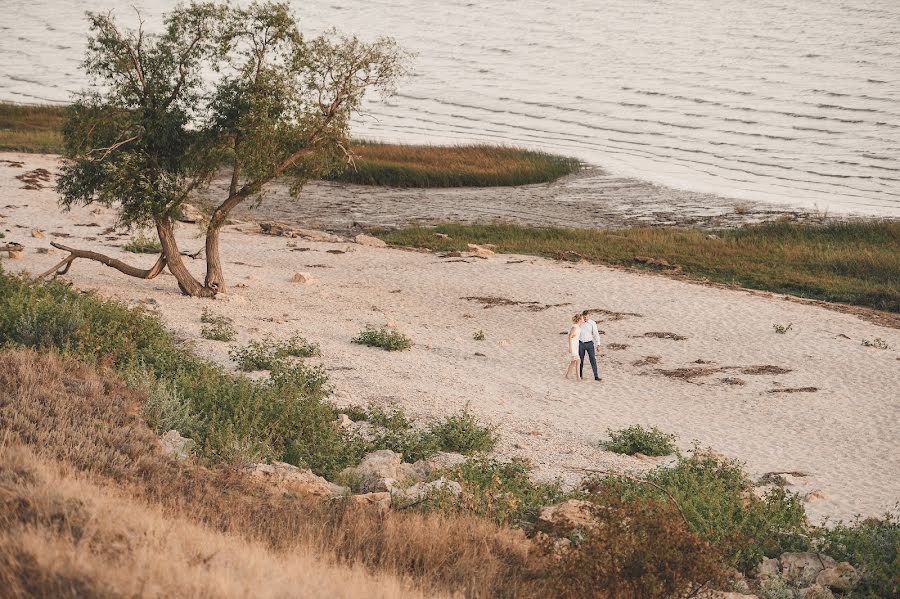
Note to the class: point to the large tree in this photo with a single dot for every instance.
(219, 88)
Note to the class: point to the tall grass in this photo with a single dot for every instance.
(396, 165)
(854, 262)
(31, 128)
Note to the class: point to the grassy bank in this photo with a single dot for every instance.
(39, 129)
(855, 263)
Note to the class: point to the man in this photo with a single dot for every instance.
(588, 343)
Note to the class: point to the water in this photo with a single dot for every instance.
(774, 100)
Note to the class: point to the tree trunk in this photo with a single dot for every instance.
(215, 276)
(186, 281)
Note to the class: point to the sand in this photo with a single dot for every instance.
(843, 436)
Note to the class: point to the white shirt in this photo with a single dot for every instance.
(588, 332)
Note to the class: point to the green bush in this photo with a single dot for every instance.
(637, 439)
(872, 545)
(264, 355)
(720, 505)
(143, 244)
(501, 491)
(463, 433)
(229, 417)
(385, 338)
(217, 328)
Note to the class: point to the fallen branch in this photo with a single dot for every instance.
(122, 267)
(12, 247)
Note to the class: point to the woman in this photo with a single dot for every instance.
(573, 347)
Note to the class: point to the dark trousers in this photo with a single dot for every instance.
(587, 347)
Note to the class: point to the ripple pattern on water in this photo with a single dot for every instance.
(776, 100)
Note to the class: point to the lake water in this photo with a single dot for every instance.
(775, 100)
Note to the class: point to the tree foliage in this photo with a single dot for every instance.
(220, 87)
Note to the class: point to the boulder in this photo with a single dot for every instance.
(173, 444)
(842, 577)
(479, 251)
(816, 592)
(381, 500)
(288, 478)
(303, 277)
(380, 471)
(572, 513)
(344, 422)
(370, 241)
(439, 462)
(801, 569)
(314, 235)
(768, 568)
(421, 491)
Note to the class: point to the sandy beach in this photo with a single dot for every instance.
(813, 401)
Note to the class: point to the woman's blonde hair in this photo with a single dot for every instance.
(577, 317)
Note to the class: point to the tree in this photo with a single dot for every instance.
(220, 88)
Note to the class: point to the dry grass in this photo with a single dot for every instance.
(31, 128)
(89, 425)
(399, 165)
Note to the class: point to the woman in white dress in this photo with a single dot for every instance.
(573, 347)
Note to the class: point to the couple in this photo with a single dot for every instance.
(584, 338)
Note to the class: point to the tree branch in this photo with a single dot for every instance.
(122, 267)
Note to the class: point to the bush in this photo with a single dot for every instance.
(640, 549)
(463, 433)
(229, 417)
(637, 439)
(143, 245)
(218, 328)
(385, 338)
(719, 503)
(479, 335)
(264, 355)
(500, 491)
(872, 545)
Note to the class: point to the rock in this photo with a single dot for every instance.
(173, 444)
(768, 568)
(712, 236)
(816, 592)
(380, 500)
(479, 251)
(190, 214)
(380, 471)
(814, 496)
(421, 491)
(572, 513)
(801, 569)
(284, 477)
(303, 277)
(370, 241)
(439, 462)
(37, 233)
(314, 235)
(344, 421)
(842, 577)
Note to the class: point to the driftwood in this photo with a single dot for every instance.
(12, 247)
(63, 266)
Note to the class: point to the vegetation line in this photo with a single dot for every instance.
(854, 263)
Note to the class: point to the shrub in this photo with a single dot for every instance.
(165, 408)
(719, 503)
(385, 338)
(463, 433)
(640, 549)
(637, 439)
(264, 355)
(877, 343)
(479, 335)
(218, 328)
(143, 244)
(872, 545)
(776, 588)
(782, 329)
(501, 491)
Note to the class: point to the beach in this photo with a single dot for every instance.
(700, 361)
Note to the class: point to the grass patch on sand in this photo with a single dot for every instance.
(637, 439)
(386, 338)
(854, 262)
(31, 128)
(143, 244)
(38, 129)
(396, 165)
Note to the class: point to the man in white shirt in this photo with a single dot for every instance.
(588, 343)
